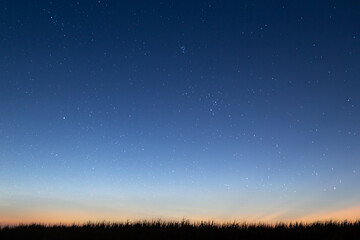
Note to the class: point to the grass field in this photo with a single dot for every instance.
(184, 230)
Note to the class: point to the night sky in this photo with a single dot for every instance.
(220, 110)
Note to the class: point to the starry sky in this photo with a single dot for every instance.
(221, 110)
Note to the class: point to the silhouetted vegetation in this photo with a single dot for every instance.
(184, 230)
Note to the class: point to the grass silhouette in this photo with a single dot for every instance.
(184, 230)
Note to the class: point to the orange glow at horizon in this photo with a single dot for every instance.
(80, 217)
(349, 214)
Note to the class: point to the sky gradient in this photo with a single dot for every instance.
(224, 110)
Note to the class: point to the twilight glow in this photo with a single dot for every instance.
(220, 110)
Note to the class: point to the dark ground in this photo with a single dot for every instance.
(184, 230)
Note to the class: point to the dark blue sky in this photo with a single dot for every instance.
(219, 110)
